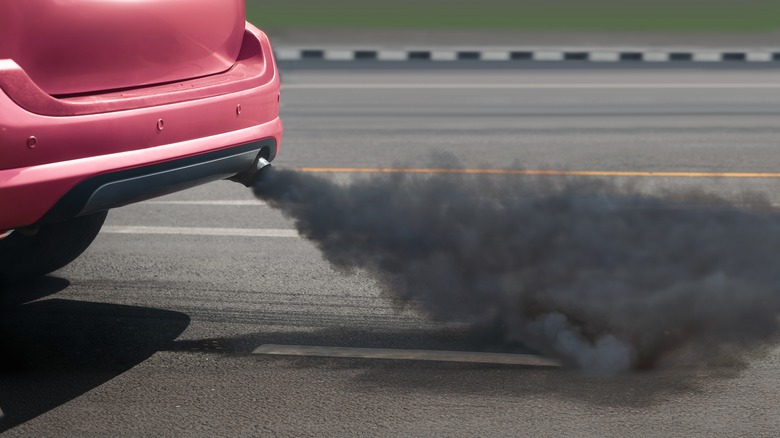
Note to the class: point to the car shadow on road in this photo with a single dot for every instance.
(54, 350)
(635, 389)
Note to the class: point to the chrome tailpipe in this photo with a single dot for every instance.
(249, 176)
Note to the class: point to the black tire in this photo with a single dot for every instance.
(25, 256)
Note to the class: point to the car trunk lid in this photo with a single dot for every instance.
(72, 47)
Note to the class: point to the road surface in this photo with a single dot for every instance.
(163, 325)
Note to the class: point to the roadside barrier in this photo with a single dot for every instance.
(615, 56)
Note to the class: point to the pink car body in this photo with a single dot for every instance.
(104, 103)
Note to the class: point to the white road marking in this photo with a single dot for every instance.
(338, 55)
(444, 55)
(287, 54)
(236, 202)
(707, 57)
(495, 55)
(537, 86)
(548, 56)
(759, 56)
(392, 55)
(656, 57)
(200, 231)
(604, 57)
(397, 354)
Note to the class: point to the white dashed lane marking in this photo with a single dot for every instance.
(237, 202)
(397, 354)
(200, 231)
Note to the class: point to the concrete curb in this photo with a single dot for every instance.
(549, 55)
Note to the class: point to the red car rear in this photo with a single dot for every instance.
(105, 103)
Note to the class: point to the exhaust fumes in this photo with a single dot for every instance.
(598, 275)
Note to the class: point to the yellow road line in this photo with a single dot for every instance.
(595, 173)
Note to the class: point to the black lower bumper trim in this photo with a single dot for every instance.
(124, 187)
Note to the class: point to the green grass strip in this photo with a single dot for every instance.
(600, 15)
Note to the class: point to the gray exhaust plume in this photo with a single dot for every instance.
(598, 275)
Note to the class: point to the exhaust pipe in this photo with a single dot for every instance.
(249, 176)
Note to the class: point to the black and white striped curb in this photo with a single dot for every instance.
(636, 56)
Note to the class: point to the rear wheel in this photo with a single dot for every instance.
(27, 254)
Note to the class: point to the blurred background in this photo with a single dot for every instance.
(583, 15)
(720, 23)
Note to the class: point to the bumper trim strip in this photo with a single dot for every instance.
(124, 187)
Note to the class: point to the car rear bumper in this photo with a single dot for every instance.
(124, 187)
(140, 143)
(57, 191)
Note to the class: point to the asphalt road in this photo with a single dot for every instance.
(153, 332)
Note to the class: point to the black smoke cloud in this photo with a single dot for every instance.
(599, 275)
